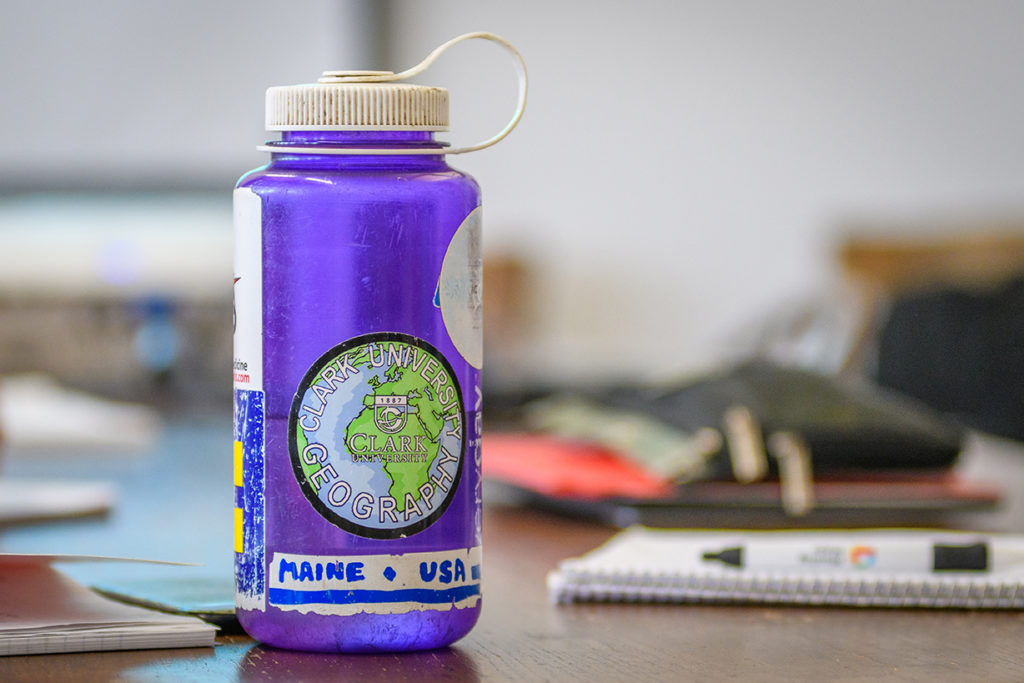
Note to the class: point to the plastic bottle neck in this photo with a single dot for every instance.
(357, 139)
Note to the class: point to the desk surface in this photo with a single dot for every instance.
(522, 637)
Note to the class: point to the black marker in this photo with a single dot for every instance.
(878, 554)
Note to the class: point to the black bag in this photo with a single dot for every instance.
(961, 352)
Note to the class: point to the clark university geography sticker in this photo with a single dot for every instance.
(376, 435)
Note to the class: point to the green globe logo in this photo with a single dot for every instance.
(376, 435)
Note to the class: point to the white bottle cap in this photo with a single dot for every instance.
(357, 100)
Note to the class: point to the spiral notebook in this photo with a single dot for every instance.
(877, 568)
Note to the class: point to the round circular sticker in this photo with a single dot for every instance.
(376, 435)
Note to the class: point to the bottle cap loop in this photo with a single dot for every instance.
(370, 77)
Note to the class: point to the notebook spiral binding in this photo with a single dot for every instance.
(880, 590)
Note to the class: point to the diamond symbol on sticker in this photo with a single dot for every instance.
(390, 574)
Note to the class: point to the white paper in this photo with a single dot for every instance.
(35, 499)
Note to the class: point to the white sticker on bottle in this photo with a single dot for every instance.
(376, 584)
(460, 290)
(248, 290)
(249, 404)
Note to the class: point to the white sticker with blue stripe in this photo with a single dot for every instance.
(377, 584)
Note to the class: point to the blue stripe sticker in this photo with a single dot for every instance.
(283, 596)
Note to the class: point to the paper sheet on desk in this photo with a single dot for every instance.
(30, 500)
(28, 404)
(45, 611)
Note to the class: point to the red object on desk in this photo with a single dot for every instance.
(567, 469)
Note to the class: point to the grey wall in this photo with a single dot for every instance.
(112, 94)
(683, 169)
(686, 168)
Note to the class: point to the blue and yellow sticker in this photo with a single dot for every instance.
(249, 512)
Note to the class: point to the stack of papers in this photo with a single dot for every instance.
(45, 611)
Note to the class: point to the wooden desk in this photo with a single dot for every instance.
(523, 638)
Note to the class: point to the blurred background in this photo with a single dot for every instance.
(693, 182)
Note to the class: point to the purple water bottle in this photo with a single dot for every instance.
(357, 371)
